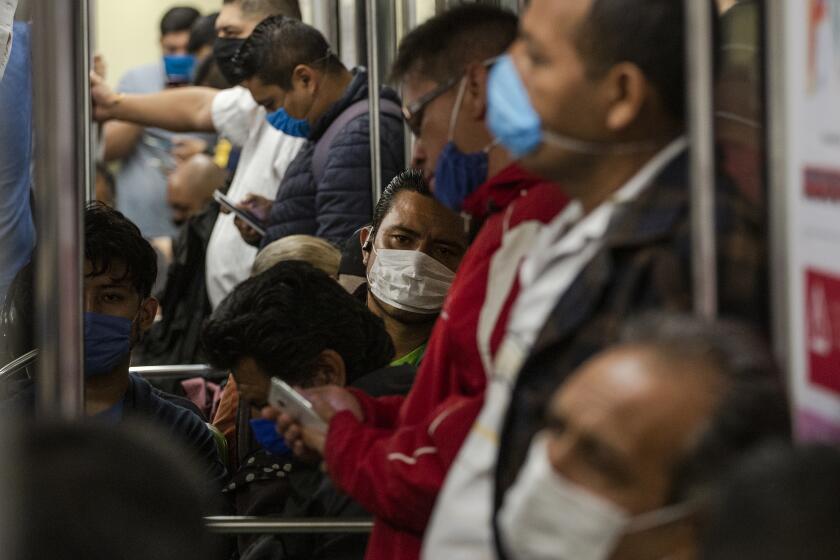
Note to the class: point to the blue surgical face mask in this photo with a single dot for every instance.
(178, 68)
(107, 342)
(265, 432)
(515, 123)
(458, 174)
(287, 124)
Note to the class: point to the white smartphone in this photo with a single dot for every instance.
(246, 216)
(282, 396)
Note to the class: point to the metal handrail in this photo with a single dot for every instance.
(234, 525)
(18, 364)
(180, 371)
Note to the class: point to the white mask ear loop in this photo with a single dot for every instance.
(456, 110)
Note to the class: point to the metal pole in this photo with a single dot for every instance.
(325, 19)
(60, 42)
(776, 64)
(371, 12)
(407, 23)
(267, 525)
(700, 77)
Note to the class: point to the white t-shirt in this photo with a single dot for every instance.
(266, 154)
(461, 524)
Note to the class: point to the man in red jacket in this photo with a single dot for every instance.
(392, 454)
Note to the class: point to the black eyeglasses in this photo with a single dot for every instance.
(413, 114)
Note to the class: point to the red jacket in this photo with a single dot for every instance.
(394, 462)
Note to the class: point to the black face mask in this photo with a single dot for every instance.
(224, 49)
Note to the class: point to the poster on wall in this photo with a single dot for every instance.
(812, 48)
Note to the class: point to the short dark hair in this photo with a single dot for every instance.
(112, 239)
(285, 317)
(410, 180)
(753, 409)
(265, 8)
(179, 18)
(779, 503)
(278, 45)
(649, 34)
(445, 44)
(202, 33)
(121, 492)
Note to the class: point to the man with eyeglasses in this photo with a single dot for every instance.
(392, 455)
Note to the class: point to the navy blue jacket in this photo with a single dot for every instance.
(341, 203)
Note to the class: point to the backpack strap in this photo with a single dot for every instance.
(357, 109)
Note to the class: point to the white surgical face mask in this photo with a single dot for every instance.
(409, 280)
(544, 516)
(7, 18)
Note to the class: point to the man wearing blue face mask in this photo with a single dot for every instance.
(326, 191)
(591, 95)
(120, 269)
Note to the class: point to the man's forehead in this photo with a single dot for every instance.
(415, 86)
(545, 20)
(114, 274)
(420, 213)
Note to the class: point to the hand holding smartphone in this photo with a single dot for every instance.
(244, 215)
(285, 398)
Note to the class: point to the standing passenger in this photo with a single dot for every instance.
(391, 455)
(593, 96)
(235, 114)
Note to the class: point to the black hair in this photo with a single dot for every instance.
(202, 33)
(17, 316)
(179, 18)
(445, 44)
(286, 317)
(410, 180)
(779, 503)
(278, 45)
(265, 8)
(649, 34)
(111, 240)
(120, 492)
(752, 410)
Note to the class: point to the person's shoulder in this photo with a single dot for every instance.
(147, 78)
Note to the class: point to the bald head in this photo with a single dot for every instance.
(191, 187)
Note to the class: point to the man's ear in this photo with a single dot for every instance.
(304, 76)
(475, 96)
(330, 369)
(148, 311)
(366, 242)
(627, 93)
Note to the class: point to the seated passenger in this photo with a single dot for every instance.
(120, 270)
(636, 440)
(306, 248)
(326, 191)
(97, 492)
(395, 460)
(190, 187)
(296, 323)
(779, 504)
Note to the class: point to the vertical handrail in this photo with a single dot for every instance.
(59, 35)
(700, 80)
(371, 19)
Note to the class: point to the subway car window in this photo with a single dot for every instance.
(419, 279)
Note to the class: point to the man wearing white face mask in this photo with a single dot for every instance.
(411, 252)
(635, 439)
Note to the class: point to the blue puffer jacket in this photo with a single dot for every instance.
(341, 203)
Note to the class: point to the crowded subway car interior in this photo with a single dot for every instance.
(420, 279)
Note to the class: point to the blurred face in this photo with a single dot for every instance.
(231, 24)
(620, 426)
(253, 383)
(175, 42)
(269, 96)
(419, 223)
(554, 75)
(182, 199)
(433, 125)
